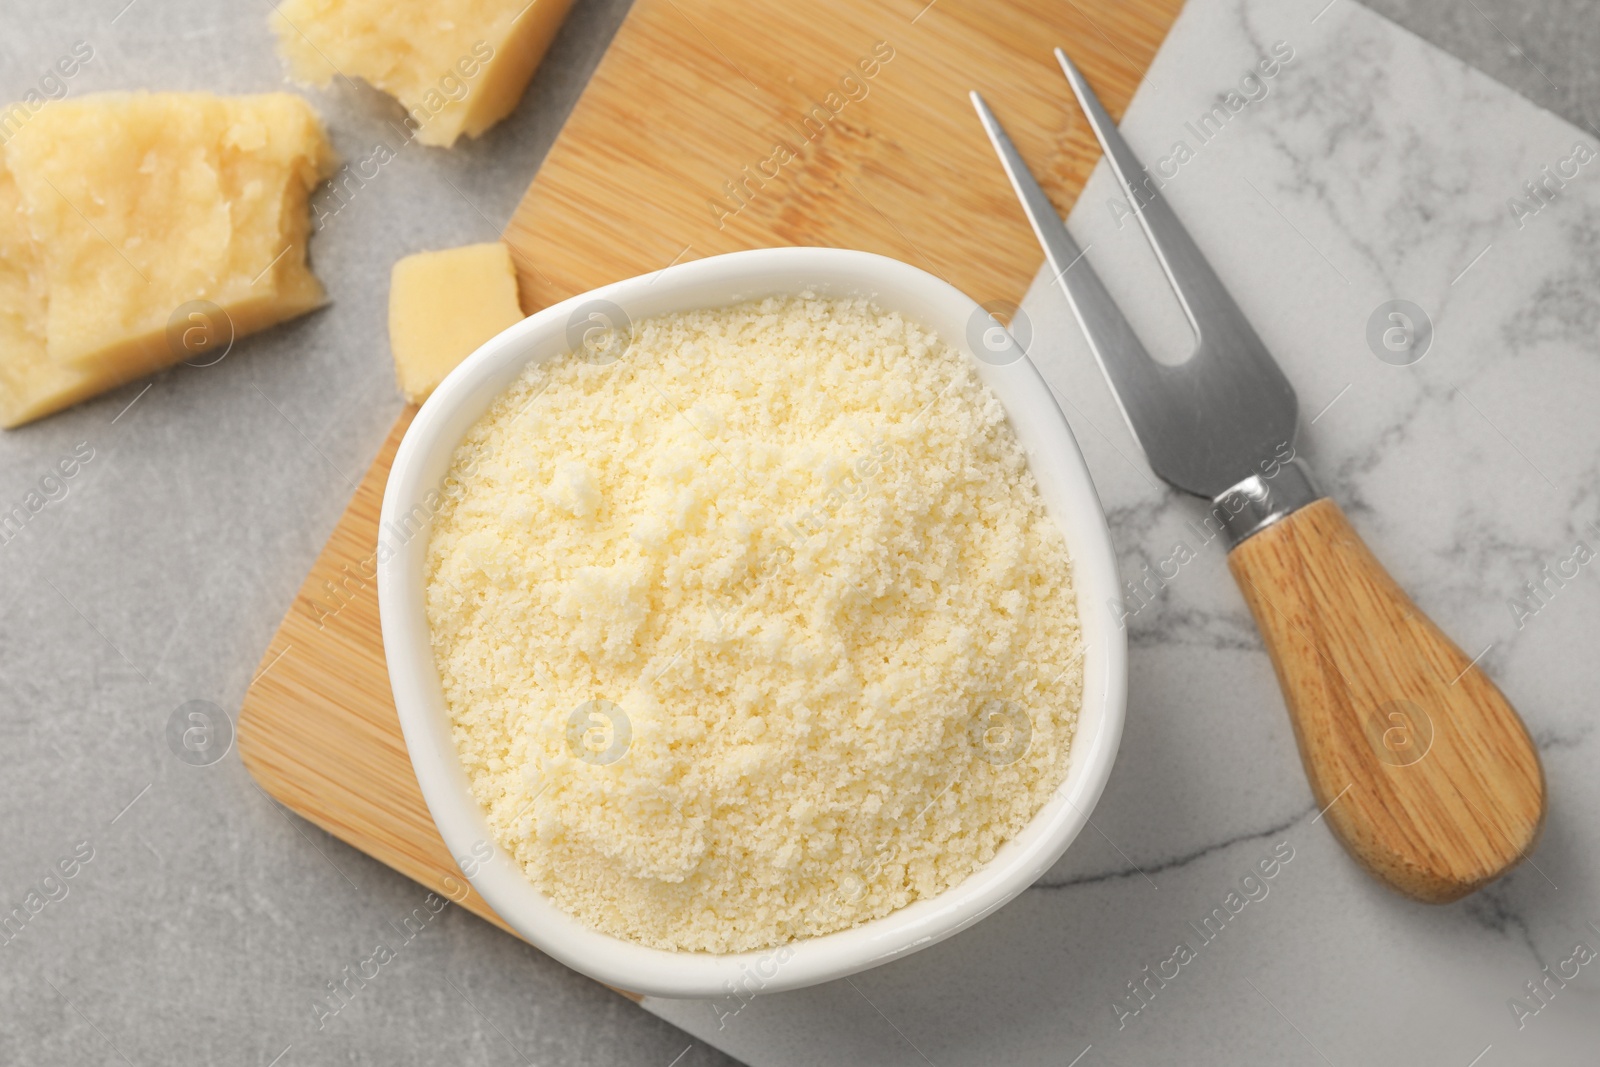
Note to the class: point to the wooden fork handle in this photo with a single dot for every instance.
(1427, 774)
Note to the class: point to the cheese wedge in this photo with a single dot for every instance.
(31, 386)
(442, 306)
(138, 204)
(457, 66)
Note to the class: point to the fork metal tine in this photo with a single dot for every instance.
(1221, 415)
(1121, 355)
(1200, 291)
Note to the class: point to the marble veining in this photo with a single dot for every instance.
(1162, 866)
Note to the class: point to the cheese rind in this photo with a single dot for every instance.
(457, 66)
(442, 306)
(139, 203)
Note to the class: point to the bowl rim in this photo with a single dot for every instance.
(1059, 469)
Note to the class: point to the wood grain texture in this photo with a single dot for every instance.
(670, 153)
(689, 94)
(1428, 775)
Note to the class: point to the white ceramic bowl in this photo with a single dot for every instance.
(1069, 495)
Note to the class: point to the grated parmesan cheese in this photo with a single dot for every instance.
(756, 633)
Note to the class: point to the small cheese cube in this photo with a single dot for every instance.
(457, 66)
(138, 204)
(442, 306)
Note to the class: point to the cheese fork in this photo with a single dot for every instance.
(1420, 765)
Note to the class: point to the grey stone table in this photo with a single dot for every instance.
(202, 923)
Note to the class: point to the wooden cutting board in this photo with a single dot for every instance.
(710, 126)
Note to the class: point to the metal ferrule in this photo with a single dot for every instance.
(1262, 499)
